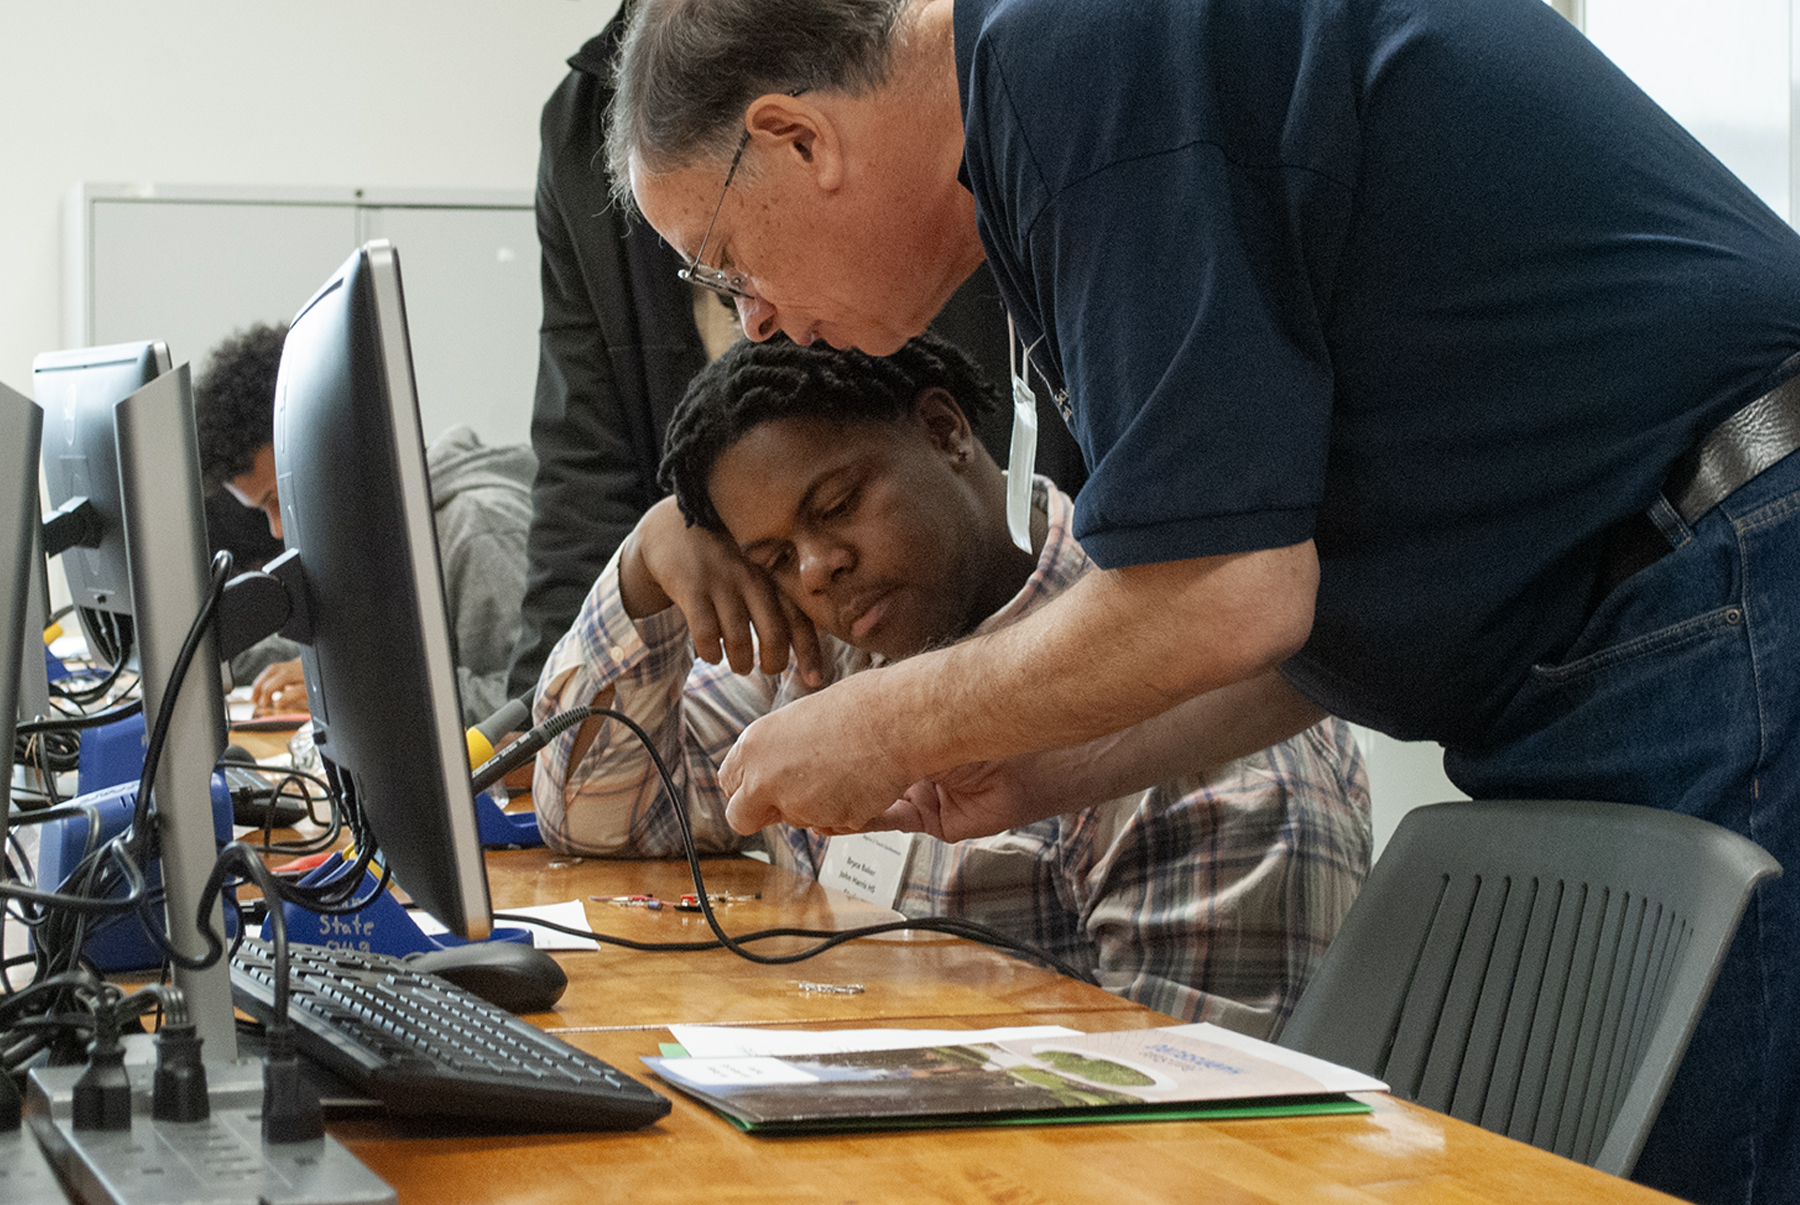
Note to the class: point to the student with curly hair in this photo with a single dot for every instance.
(843, 499)
(481, 507)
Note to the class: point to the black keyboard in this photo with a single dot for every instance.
(424, 1047)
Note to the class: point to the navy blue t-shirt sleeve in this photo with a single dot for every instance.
(1193, 355)
(1188, 332)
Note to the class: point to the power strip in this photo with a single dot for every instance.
(26, 1177)
(220, 1161)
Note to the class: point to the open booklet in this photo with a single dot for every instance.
(1182, 1071)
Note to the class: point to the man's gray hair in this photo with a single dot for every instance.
(688, 69)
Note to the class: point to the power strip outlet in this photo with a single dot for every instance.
(220, 1161)
(26, 1177)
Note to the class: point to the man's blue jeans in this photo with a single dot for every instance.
(1683, 692)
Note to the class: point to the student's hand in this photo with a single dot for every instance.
(725, 598)
(280, 690)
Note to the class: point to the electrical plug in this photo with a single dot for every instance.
(178, 1092)
(291, 1110)
(102, 1096)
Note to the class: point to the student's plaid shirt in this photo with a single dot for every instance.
(1208, 899)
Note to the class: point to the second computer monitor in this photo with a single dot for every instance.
(356, 511)
(77, 391)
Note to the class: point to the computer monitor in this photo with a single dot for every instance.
(77, 391)
(21, 427)
(164, 526)
(134, 454)
(356, 512)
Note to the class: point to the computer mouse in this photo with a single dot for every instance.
(507, 974)
(253, 793)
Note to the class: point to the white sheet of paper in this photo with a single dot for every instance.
(731, 1041)
(1334, 1077)
(569, 912)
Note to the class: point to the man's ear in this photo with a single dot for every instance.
(801, 132)
(944, 424)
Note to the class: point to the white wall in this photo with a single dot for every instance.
(1721, 68)
(364, 94)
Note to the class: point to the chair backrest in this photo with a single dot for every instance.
(1535, 968)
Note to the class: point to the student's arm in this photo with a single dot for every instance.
(734, 612)
(1226, 885)
(1119, 647)
(595, 788)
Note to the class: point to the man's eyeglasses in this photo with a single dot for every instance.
(726, 284)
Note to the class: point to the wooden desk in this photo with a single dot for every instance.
(619, 1002)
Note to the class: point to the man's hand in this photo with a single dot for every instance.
(775, 772)
(279, 690)
(975, 800)
(725, 598)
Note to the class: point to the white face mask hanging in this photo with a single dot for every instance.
(1023, 457)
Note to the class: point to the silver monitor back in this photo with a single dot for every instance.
(77, 390)
(165, 534)
(21, 428)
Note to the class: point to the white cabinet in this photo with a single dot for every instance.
(188, 265)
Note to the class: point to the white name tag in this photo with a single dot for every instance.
(1020, 463)
(869, 866)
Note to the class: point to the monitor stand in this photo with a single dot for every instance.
(21, 607)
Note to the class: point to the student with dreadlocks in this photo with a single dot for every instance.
(842, 499)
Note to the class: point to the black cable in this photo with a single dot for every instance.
(827, 938)
(297, 785)
(236, 853)
(79, 723)
(518, 752)
(948, 925)
(136, 847)
(83, 695)
(141, 835)
(89, 889)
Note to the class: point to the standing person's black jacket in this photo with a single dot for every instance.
(617, 347)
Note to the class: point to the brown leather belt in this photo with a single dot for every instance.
(1736, 450)
(1732, 453)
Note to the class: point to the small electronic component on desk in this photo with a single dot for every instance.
(630, 901)
(691, 902)
(687, 903)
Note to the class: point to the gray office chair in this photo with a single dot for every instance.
(1534, 968)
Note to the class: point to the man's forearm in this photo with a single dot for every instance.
(1116, 649)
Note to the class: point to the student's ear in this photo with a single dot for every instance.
(800, 133)
(944, 423)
